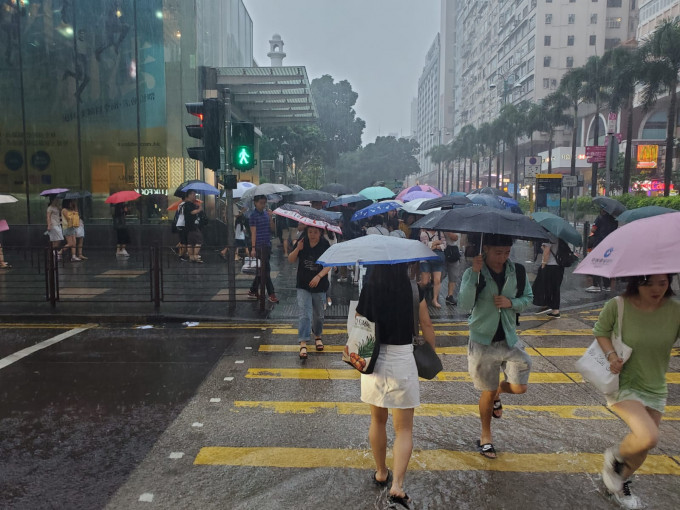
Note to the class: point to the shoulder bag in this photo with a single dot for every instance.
(593, 365)
(427, 361)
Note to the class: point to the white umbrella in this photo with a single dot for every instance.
(242, 187)
(7, 199)
(412, 207)
(376, 250)
(268, 188)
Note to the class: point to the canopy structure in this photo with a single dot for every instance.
(269, 96)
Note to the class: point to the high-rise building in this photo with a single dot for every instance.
(428, 111)
(653, 12)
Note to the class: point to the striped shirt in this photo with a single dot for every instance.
(260, 220)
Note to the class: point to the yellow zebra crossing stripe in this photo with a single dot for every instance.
(444, 410)
(422, 460)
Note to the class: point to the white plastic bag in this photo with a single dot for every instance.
(594, 367)
(362, 347)
(250, 265)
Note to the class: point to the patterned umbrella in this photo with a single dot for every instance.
(377, 208)
(308, 216)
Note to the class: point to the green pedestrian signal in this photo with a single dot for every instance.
(242, 145)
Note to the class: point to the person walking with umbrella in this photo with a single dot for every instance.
(489, 288)
(261, 223)
(604, 225)
(191, 211)
(70, 221)
(312, 284)
(120, 210)
(54, 223)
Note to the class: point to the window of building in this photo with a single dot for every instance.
(572, 19)
(548, 19)
(611, 43)
(593, 40)
(530, 64)
(553, 83)
(570, 61)
(531, 43)
(546, 83)
(570, 40)
(593, 19)
(613, 3)
(614, 22)
(546, 61)
(546, 40)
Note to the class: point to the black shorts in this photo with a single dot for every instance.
(183, 235)
(122, 236)
(195, 238)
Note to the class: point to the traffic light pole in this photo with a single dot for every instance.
(229, 194)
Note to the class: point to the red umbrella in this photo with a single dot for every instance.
(122, 196)
(174, 206)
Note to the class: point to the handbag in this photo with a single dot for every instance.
(362, 347)
(452, 253)
(250, 265)
(427, 361)
(593, 365)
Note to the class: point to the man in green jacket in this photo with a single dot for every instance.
(493, 344)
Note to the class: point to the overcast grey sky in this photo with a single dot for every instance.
(379, 46)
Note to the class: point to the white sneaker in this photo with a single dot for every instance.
(593, 288)
(626, 499)
(611, 472)
(75, 259)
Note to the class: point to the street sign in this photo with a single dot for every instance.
(596, 150)
(529, 181)
(532, 166)
(611, 124)
(598, 159)
(569, 181)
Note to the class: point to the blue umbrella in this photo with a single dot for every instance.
(201, 187)
(487, 200)
(369, 250)
(377, 208)
(510, 204)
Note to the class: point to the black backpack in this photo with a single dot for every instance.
(521, 283)
(564, 256)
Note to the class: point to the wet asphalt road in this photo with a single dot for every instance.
(226, 416)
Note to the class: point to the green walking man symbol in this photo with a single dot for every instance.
(243, 157)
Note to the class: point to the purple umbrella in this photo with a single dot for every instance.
(53, 191)
(412, 195)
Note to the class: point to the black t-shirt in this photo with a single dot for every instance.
(190, 219)
(393, 314)
(308, 268)
(499, 278)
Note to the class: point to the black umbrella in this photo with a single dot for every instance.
(485, 220)
(181, 194)
(444, 202)
(609, 205)
(70, 195)
(309, 195)
(336, 189)
(491, 191)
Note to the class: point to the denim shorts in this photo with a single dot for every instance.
(485, 362)
(433, 266)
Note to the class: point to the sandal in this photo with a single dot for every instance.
(5, 266)
(303, 355)
(497, 409)
(399, 502)
(318, 344)
(384, 482)
(487, 450)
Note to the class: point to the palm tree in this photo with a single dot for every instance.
(514, 122)
(497, 129)
(572, 86)
(552, 110)
(624, 66)
(661, 54)
(466, 142)
(595, 92)
(487, 146)
(438, 155)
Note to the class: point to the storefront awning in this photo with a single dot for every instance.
(270, 96)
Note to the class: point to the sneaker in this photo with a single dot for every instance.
(75, 259)
(611, 472)
(593, 288)
(273, 298)
(626, 499)
(554, 315)
(83, 257)
(450, 300)
(544, 309)
(252, 295)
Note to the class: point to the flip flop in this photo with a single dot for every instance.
(303, 355)
(497, 406)
(398, 502)
(384, 482)
(318, 344)
(486, 450)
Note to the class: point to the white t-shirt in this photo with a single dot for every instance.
(180, 218)
(377, 230)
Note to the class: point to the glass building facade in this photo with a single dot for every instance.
(92, 96)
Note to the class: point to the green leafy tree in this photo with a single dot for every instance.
(661, 54)
(438, 154)
(595, 92)
(338, 121)
(552, 113)
(466, 148)
(302, 144)
(572, 86)
(513, 122)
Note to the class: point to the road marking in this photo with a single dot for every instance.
(239, 361)
(176, 455)
(13, 358)
(197, 424)
(461, 332)
(228, 378)
(147, 497)
(44, 326)
(215, 400)
(422, 460)
(349, 374)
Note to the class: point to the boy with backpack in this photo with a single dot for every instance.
(496, 290)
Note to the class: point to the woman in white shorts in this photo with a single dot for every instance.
(387, 300)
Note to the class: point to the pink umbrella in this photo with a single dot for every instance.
(643, 247)
(412, 195)
(122, 196)
(420, 187)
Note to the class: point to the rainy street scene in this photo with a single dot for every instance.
(311, 254)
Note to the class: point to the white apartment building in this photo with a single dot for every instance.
(428, 112)
(447, 68)
(510, 51)
(653, 12)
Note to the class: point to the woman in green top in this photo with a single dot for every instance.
(650, 326)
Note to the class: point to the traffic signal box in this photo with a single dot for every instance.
(210, 113)
(242, 145)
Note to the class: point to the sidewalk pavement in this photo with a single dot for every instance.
(108, 288)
